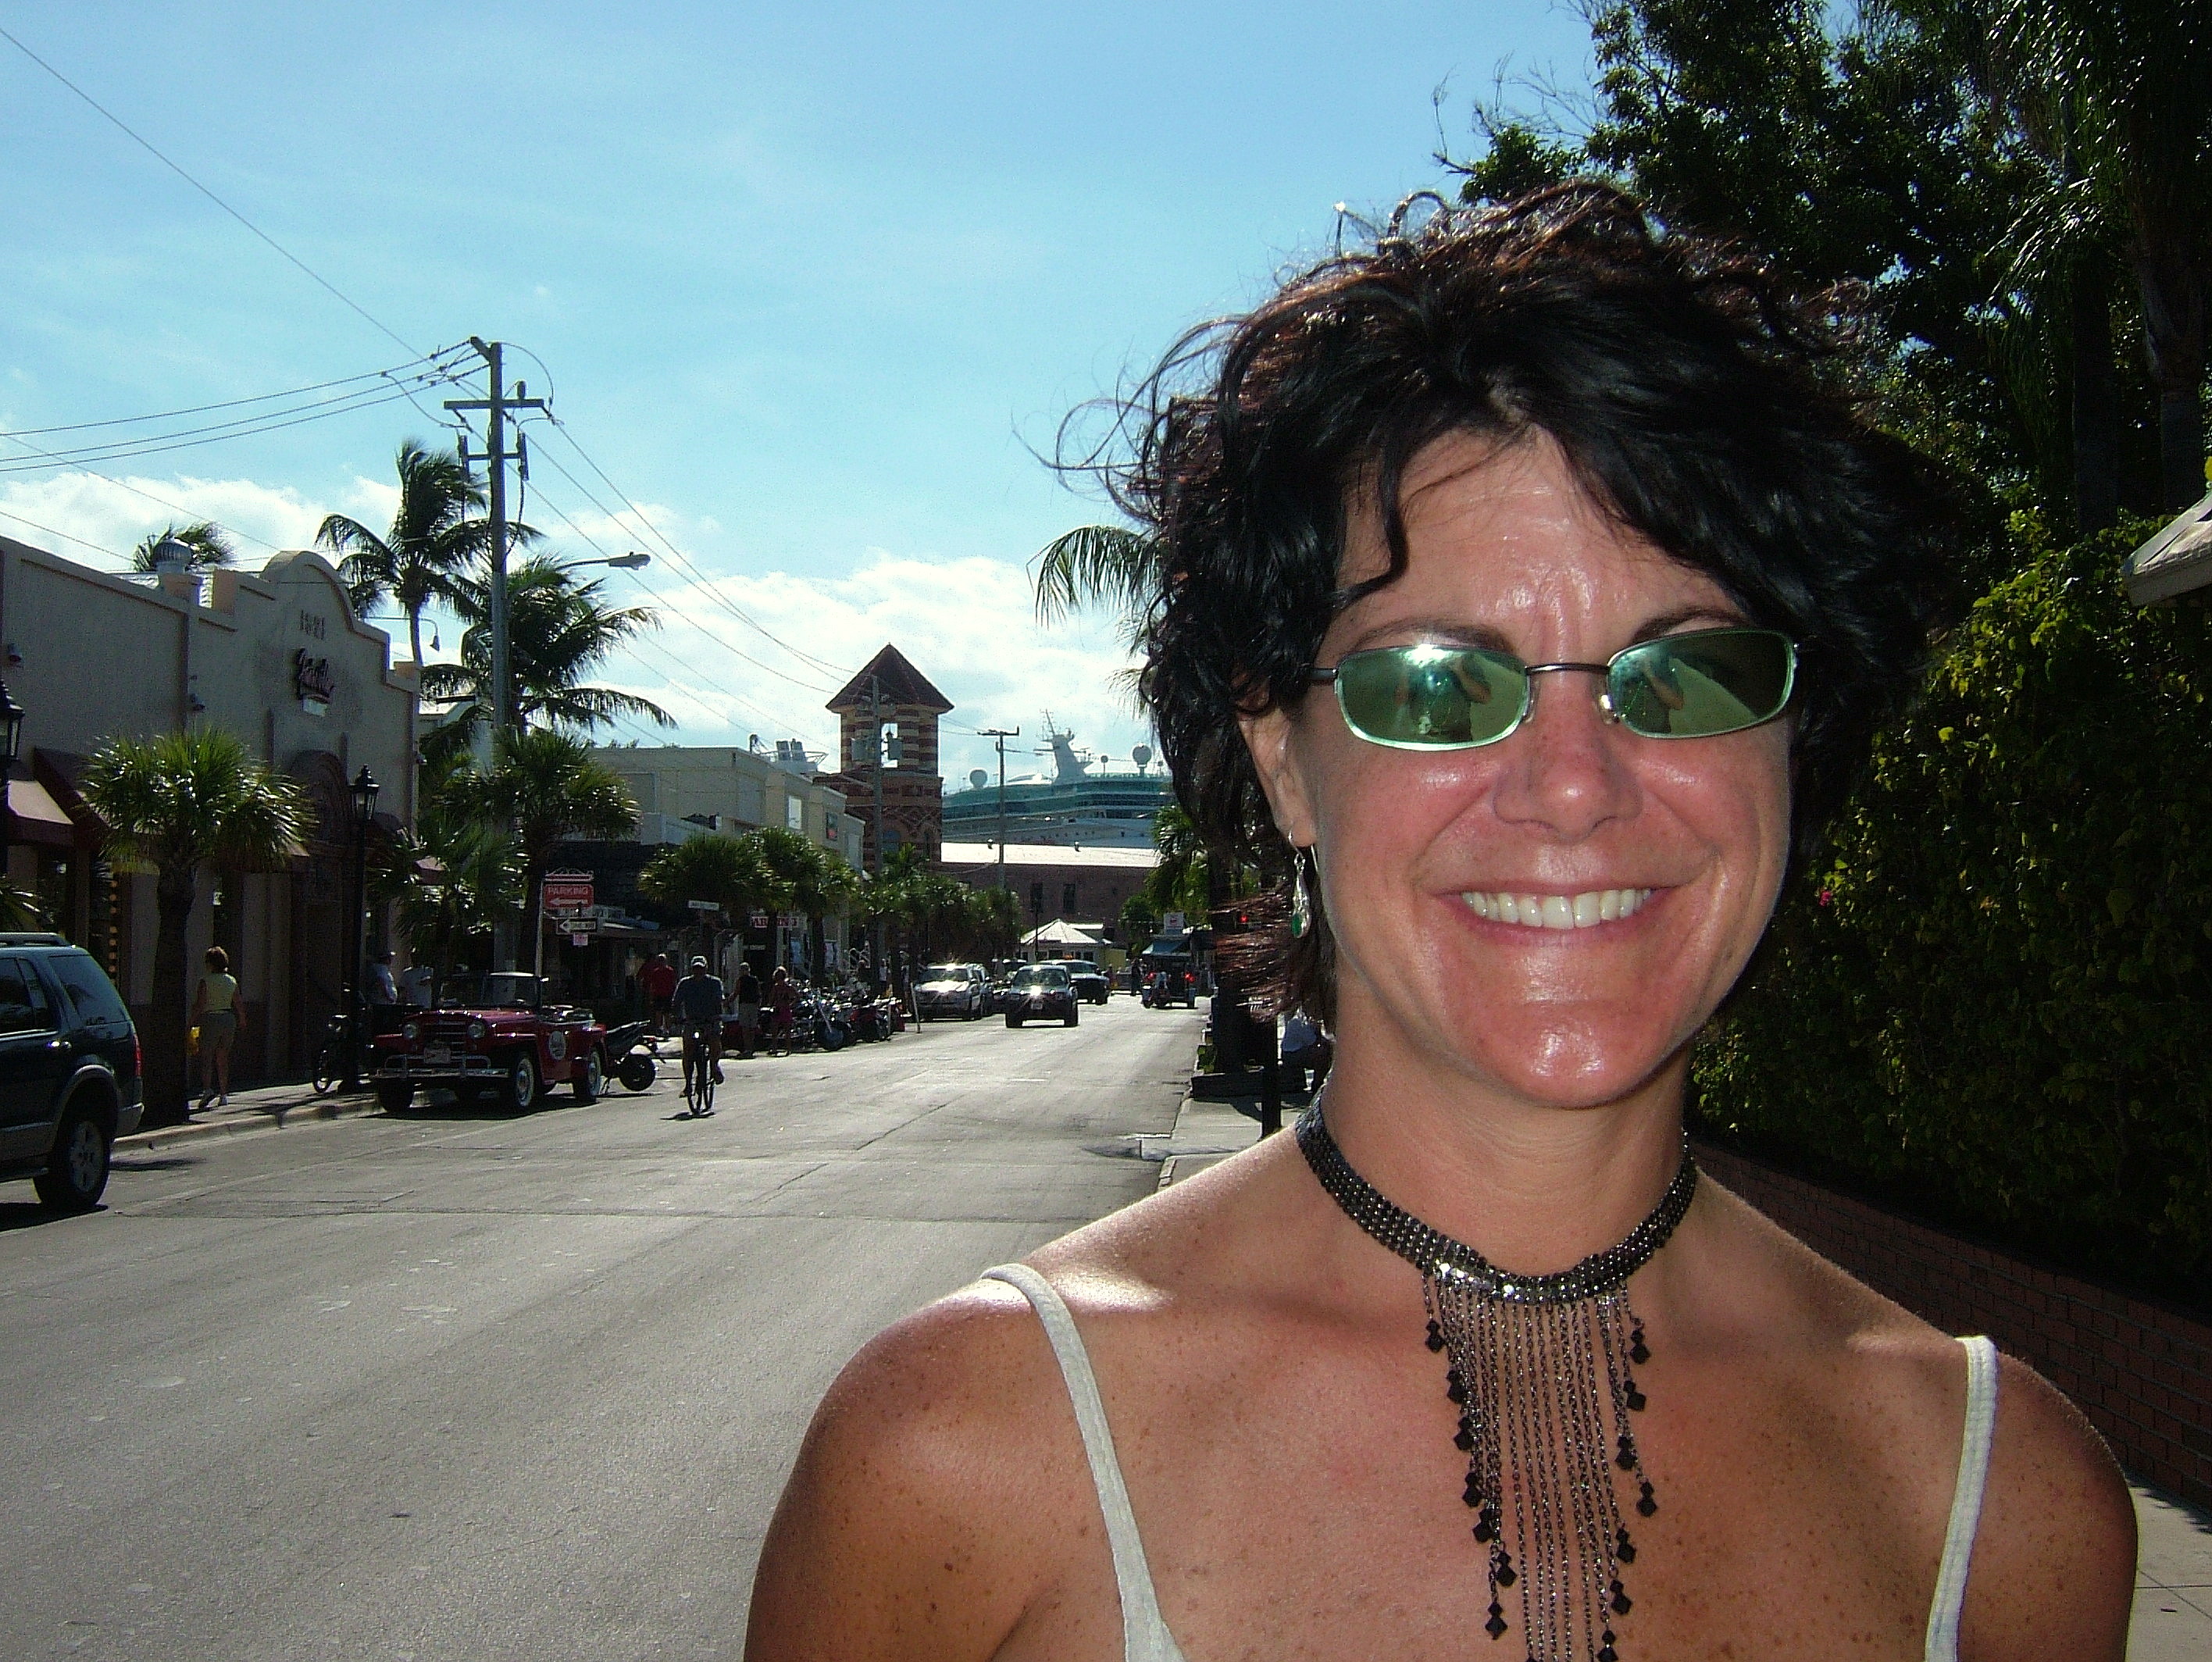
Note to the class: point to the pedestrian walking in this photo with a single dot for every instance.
(782, 998)
(657, 980)
(749, 1011)
(216, 1014)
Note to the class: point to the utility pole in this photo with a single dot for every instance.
(1001, 734)
(496, 408)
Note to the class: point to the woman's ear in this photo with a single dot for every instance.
(1269, 737)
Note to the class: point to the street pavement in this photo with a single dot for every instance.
(455, 1385)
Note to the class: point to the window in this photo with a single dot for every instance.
(23, 1006)
(794, 813)
(88, 988)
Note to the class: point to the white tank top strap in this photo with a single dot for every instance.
(1144, 1636)
(1965, 1501)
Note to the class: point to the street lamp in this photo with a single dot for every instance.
(631, 562)
(364, 811)
(11, 745)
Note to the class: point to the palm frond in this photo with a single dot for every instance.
(1108, 566)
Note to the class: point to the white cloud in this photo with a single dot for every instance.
(74, 510)
(967, 624)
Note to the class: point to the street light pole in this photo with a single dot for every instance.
(999, 736)
(364, 811)
(11, 747)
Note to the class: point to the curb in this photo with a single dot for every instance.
(313, 1111)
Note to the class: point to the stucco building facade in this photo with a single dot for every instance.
(275, 658)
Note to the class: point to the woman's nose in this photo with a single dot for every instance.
(1563, 771)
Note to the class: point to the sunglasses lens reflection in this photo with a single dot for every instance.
(1431, 697)
(1697, 686)
(1456, 698)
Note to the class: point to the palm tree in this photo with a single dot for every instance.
(819, 882)
(2124, 86)
(176, 802)
(559, 629)
(210, 546)
(435, 531)
(550, 788)
(481, 882)
(734, 873)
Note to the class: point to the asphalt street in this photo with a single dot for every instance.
(454, 1385)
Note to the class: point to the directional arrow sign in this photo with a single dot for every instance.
(569, 894)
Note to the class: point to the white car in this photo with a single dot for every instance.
(961, 990)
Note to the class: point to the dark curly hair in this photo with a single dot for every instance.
(1695, 397)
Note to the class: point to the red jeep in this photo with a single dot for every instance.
(489, 1033)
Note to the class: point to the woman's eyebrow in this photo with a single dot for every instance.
(1439, 631)
(1722, 616)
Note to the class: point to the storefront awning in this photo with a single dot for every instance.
(2176, 561)
(33, 815)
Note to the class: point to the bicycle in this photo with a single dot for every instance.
(698, 1074)
(341, 1054)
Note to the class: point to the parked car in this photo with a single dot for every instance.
(1092, 984)
(961, 990)
(490, 1033)
(69, 1070)
(1038, 993)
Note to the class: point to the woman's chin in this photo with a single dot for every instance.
(1572, 1064)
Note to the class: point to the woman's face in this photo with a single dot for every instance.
(1415, 849)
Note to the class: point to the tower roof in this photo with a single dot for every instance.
(900, 684)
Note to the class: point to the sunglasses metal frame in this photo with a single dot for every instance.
(1330, 677)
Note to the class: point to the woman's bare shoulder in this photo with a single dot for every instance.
(930, 1493)
(2053, 1569)
(2053, 1562)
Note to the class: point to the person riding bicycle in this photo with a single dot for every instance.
(699, 999)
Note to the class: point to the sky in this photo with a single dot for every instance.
(813, 286)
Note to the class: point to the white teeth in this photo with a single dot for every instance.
(1584, 910)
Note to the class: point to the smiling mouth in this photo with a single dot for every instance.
(1587, 910)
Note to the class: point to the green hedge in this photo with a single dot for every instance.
(1995, 1003)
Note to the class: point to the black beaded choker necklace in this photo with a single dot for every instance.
(1539, 1367)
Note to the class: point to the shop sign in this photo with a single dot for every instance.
(760, 920)
(313, 683)
(1172, 924)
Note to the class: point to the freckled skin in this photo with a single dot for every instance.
(1284, 1433)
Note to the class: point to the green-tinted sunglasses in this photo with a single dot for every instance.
(1456, 698)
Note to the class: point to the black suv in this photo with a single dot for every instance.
(69, 1068)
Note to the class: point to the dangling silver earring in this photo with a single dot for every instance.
(1301, 897)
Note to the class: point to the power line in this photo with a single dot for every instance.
(66, 537)
(320, 280)
(158, 501)
(226, 403)
(713, 593)
(161, 444)
(653, 594)
(681, 558)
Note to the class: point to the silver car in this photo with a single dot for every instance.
(952, 990)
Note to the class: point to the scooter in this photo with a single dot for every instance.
(632, 1054)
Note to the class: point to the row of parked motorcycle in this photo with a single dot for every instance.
(819, 1020)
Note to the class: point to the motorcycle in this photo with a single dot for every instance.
(631, 1055)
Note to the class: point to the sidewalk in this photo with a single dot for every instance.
(266, 1107)
(2173, 1618)
(1207, 1133)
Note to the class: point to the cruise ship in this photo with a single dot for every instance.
(1086, 801)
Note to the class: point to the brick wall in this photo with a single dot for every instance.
(2141, 1372)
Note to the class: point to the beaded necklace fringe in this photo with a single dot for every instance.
(1539, 1367)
